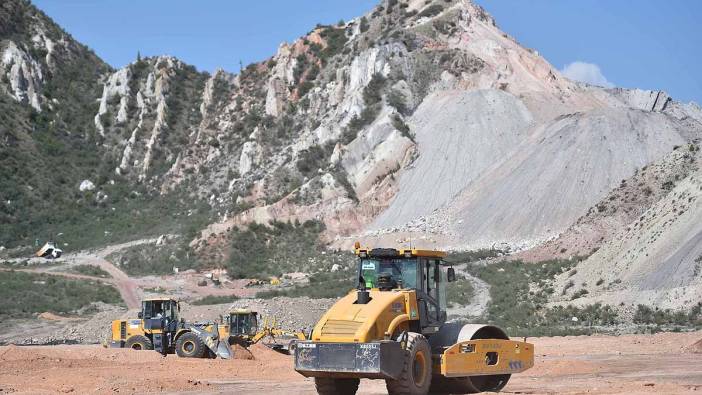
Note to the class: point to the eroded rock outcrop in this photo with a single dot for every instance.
(24, 75)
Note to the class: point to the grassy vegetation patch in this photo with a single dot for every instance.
(321, 285)
(24, 294)
(648, 316)
(519, 292)
(459, 292)
(264, 251)
(90, 270)
(148, 259)
(214, 299)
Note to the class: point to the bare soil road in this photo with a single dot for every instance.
(633, 364)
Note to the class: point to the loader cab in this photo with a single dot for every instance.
(243, 323)
(159, 313)
(423, 271)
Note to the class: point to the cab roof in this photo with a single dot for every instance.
(241, 311)
(160, 299)
(392, 252)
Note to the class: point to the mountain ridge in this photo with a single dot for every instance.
(419, 120)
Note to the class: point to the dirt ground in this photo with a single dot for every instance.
(667, 363)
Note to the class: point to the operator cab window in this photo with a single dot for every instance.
(402, 270)
(244, 324)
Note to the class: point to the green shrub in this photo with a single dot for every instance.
(459, 292)
(373, 92)
(402, 127)
(473, 256)
(24, 294)
(264, 251)
(311, 160)
(365, 25)
(357, 123)
(397, 99)
(513, 305)
(335, 39)
(149, 259)
(432, 10)
(90, 270)
(579, 294)
(321, 285)
(648, 315)
(213, 299)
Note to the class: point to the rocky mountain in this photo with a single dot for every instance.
(656, 259)
(48, 83)
(419, 121)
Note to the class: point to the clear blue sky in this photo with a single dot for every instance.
(649, 44)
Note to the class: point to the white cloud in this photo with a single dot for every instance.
(586, 72)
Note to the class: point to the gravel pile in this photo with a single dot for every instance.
(91, 325)
(290, 313)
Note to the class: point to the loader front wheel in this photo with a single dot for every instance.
(189, 345)
(139, 343)
(331, 386)
(415, 378)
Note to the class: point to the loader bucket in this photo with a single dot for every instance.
(210, 336)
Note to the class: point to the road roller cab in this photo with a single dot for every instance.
(393, 327)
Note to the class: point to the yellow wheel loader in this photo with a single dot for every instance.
(159, 327)
(241, 327)
(393, 327)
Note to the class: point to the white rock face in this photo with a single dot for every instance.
(376, 152)
(40, 39)
(578, 159)
(117, 85)
(122, 113)
(86, 185)
(459, 136)
(127, 153)
(285, 65)
(155, 133)
(643, 99)
(276, 97)
(208, 93)
(364, 66)
(250, 155)
(24, 75)
(281, 78)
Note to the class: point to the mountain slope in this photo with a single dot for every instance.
(47, 144)
(419, 120)
(657, 259)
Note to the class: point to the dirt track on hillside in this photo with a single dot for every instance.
(633, 364)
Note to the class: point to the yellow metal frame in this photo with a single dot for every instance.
(386, 314)
(477, 358)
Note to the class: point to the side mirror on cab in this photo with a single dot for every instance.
(140, 315)
(451, 275)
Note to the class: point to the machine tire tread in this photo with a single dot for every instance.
(199, 350)
(405, 385)
(145, 342)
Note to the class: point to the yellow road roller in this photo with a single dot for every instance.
(394, 327)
